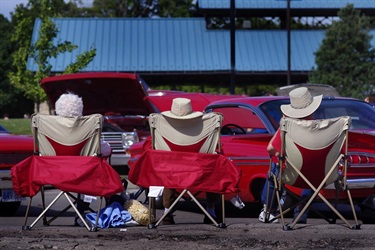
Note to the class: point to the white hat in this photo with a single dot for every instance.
(302, 103)
(181, 109)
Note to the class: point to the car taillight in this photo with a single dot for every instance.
(361, 160)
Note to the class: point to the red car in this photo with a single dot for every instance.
(250, 122)
(13, 149)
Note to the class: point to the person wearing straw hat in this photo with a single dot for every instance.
(302, 106)
(182, 109)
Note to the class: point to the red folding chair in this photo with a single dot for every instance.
(185, 155)
(67, 156)
(314, 156)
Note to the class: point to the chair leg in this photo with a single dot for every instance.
(357, 225)
(45, 210)
(25, 227)
(222, 224)
(268, 204)
(77, 212)
(94, 228)
(43, 205)
(152, 210)
(171, 208)
(76, 201)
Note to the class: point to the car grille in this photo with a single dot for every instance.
(115, 141)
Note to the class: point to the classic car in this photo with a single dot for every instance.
(250, 122)
(13, 149)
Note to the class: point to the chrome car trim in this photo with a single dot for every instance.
(362, 165)
(243, 161)
(357, 184)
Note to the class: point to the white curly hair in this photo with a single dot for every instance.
(69, 104)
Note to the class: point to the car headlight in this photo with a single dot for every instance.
(129, 139)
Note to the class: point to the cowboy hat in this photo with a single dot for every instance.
(181, 109)
(302, 103)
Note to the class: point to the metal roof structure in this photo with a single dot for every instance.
(181, 45)
(168, 50)
(182, 48)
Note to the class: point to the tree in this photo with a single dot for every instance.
(9, 96)
(345, 59)
(41, 51)
(141, 8)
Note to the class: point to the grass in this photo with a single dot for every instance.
(17, 126)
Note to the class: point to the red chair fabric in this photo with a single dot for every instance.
(194, 171)
(81, 174)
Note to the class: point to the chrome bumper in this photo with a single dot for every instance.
(357, 184)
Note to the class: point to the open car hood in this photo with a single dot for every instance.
(103, 93)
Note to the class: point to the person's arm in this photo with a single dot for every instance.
(105, 148)
(274, 146)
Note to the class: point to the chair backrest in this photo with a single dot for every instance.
(313, 147)
(201, 134)
(58, 135)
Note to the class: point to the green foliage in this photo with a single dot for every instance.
(345, 59)
(9, 96)
(17, 126)
(41, 51)
(141, 8)
(175, 8)
(82, 60)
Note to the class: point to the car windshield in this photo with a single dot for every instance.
(361, 113)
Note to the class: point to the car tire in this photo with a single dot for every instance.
(9, 208)
(368, 210)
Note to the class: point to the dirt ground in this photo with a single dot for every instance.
(243, 231)
(252, 235)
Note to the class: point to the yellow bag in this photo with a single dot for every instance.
(138, 211)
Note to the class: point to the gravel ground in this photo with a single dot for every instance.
(243, 231)
(253, 235)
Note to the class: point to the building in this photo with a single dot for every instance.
(185, 50)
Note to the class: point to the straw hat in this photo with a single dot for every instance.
(302, 103)
(181, 109)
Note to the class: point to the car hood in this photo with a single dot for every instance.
(103, 93)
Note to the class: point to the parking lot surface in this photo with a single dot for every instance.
(243, 231)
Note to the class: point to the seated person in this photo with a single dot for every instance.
(182, 109)
(70, 104)
(303, 105)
